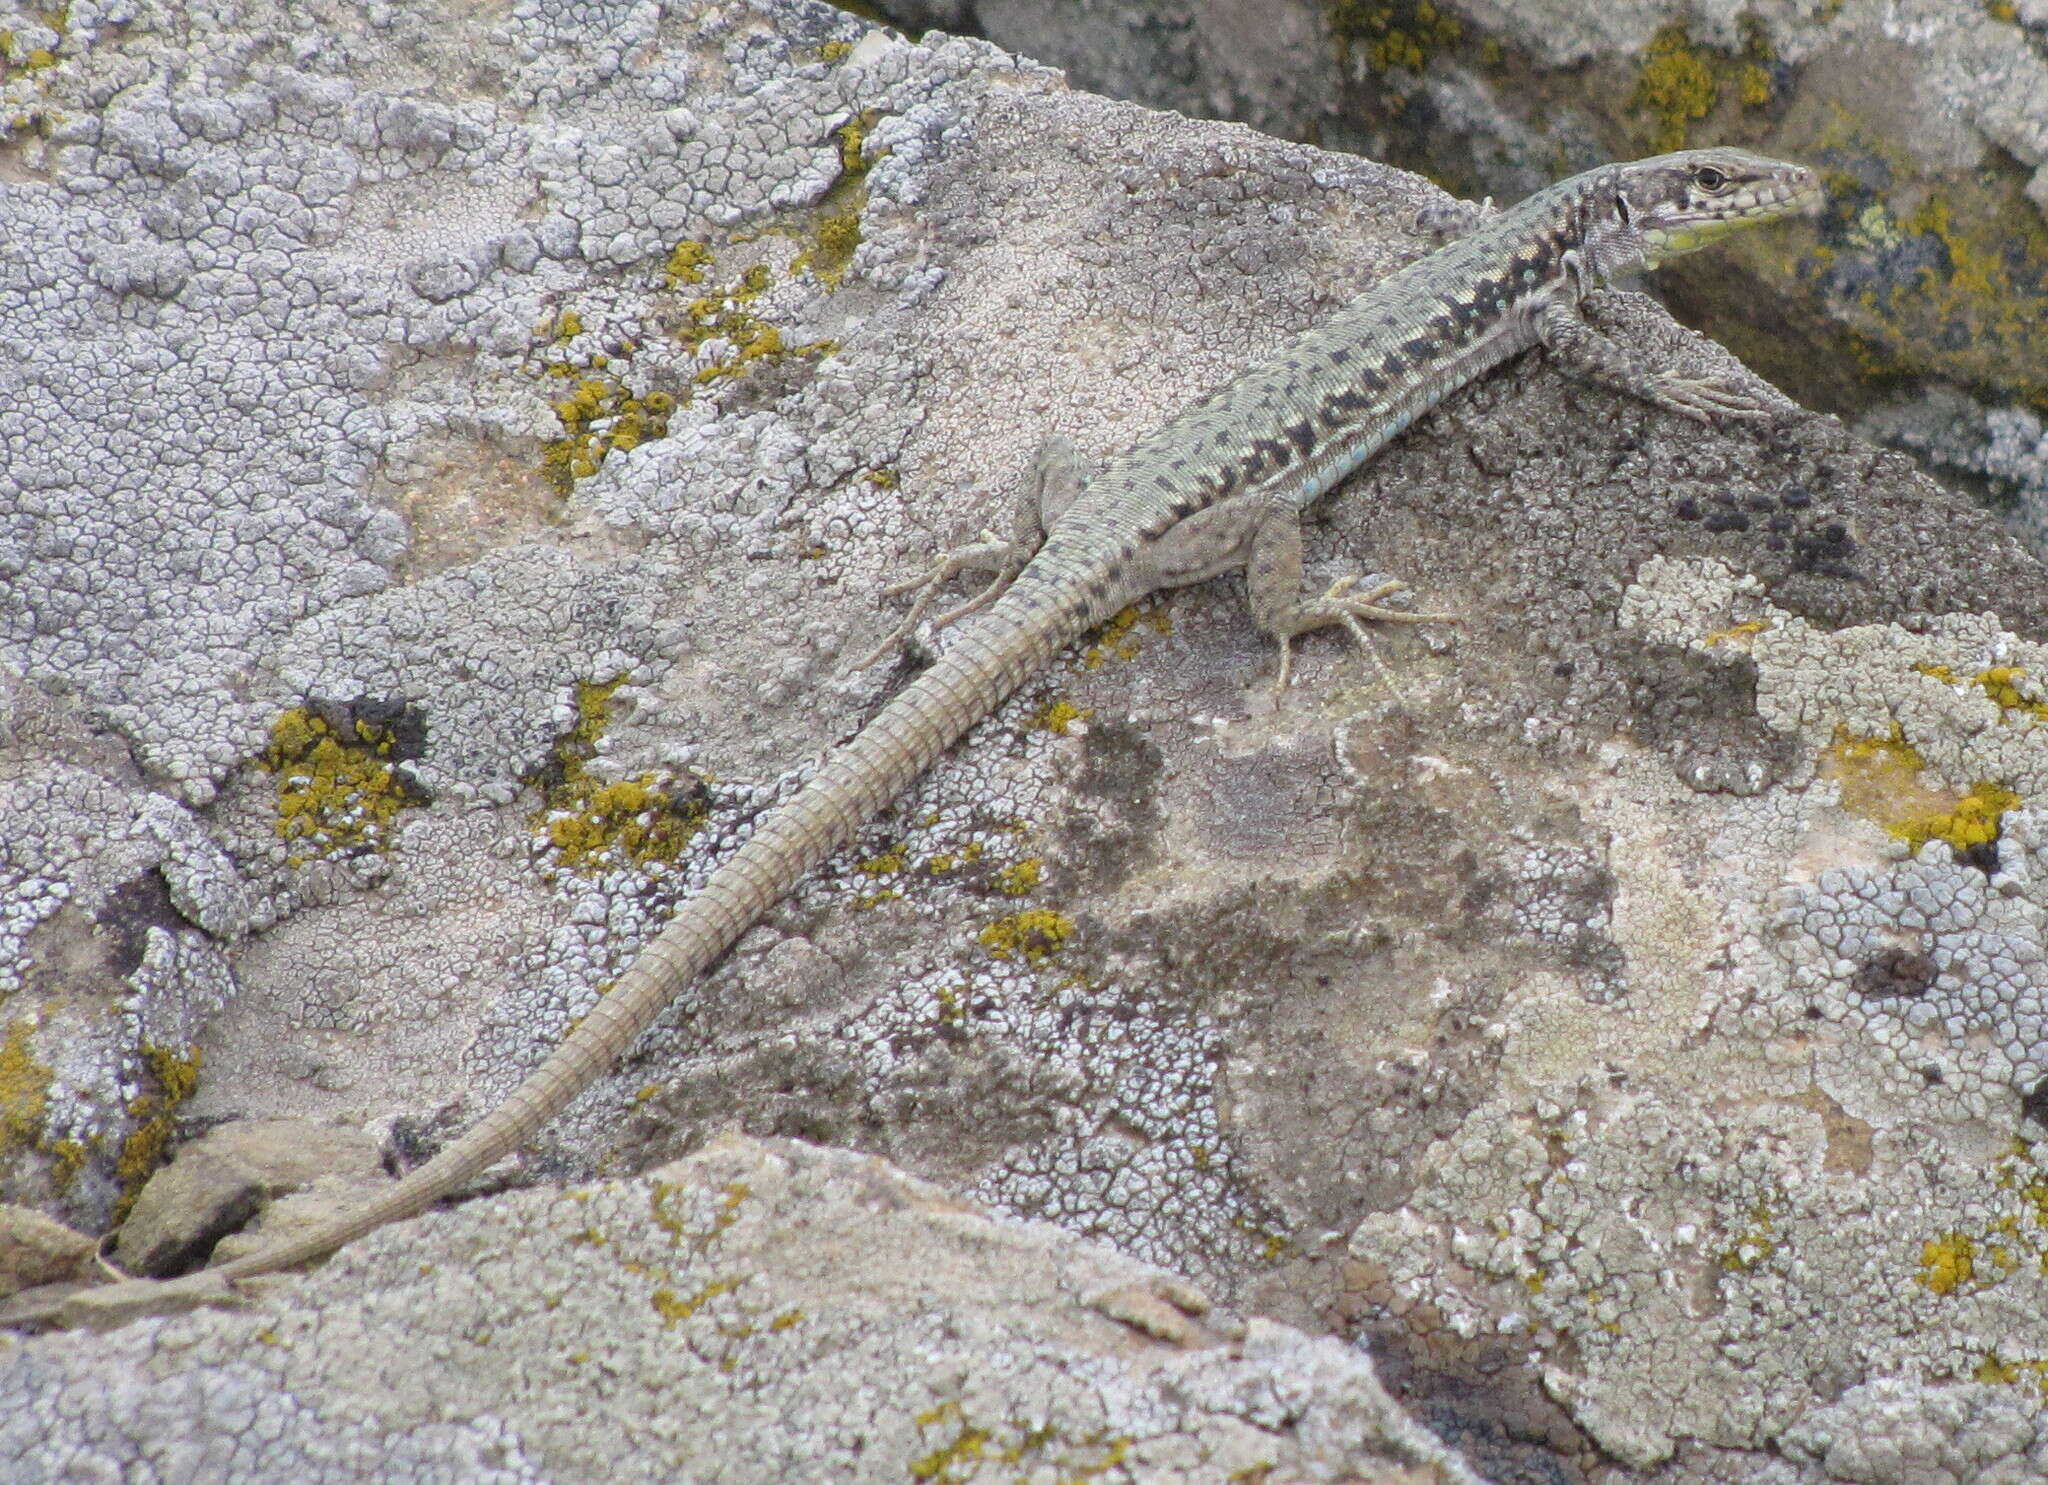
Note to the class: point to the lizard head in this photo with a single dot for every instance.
(1684, 201)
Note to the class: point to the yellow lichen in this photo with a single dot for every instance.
(1391, 35)
(2007, 685)
(2013, 1242)
(1675, 86)
(828, 249)
(176, 1075)
(24, 1088)
(1739, 634)
(1880, 780)
(1947, 1263)
(663, 1193)
(602, 416)
(687, 262)
(1016, 1448)
(634, 822)
(738, 338)
(1058, 716)
(67, 1159)
(946, 861)
(1680, 81)
(1035, 936)
(1753, 1247)
(1115, 637)
(673, 1309)
(1020, 877)
(337, 789)
(830, 252)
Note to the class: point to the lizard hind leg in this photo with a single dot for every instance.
(1055, 478)
(1273, 584)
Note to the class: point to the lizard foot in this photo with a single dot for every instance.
(987, 555)
(1339, 605)
(1705, 399)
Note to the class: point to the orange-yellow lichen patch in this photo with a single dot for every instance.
(1883, 780)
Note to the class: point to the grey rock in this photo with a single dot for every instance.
(34, 1250)
(216, 1183)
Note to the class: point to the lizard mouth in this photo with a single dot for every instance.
(1793, 193)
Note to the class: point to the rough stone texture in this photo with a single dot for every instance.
(35, 1251)
(756, 1312)
(215, 1183)
(1919, 302)
(1564, 1031)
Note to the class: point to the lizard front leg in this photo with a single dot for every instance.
(1272, 578)
(1055, 478)
(1579, 350)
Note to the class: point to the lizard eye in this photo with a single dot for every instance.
(1709, 179)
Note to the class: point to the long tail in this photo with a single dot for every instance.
(985, 662)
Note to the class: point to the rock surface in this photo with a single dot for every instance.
(499, 426)
(760, 1311)
(36, 1251)
(216, 1183)
(1922, 303)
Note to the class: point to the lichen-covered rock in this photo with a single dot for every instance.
(757, 1312)
(508, 419)
(1929, 120)
(36, 1251)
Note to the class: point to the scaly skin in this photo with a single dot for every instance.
(1222, 485)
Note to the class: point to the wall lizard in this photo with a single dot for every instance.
(1222, 485)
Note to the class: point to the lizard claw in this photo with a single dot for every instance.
(1340, 605)
(988, 555)
(1706, 399)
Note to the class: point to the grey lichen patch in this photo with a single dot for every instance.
(480, 657)
(32, 44)
(1918, 959)
(1937, 686)
(867, 1326)
(106, 985)
(1695, 1308)
(1839, 1071)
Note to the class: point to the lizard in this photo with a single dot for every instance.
(1223, 485)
